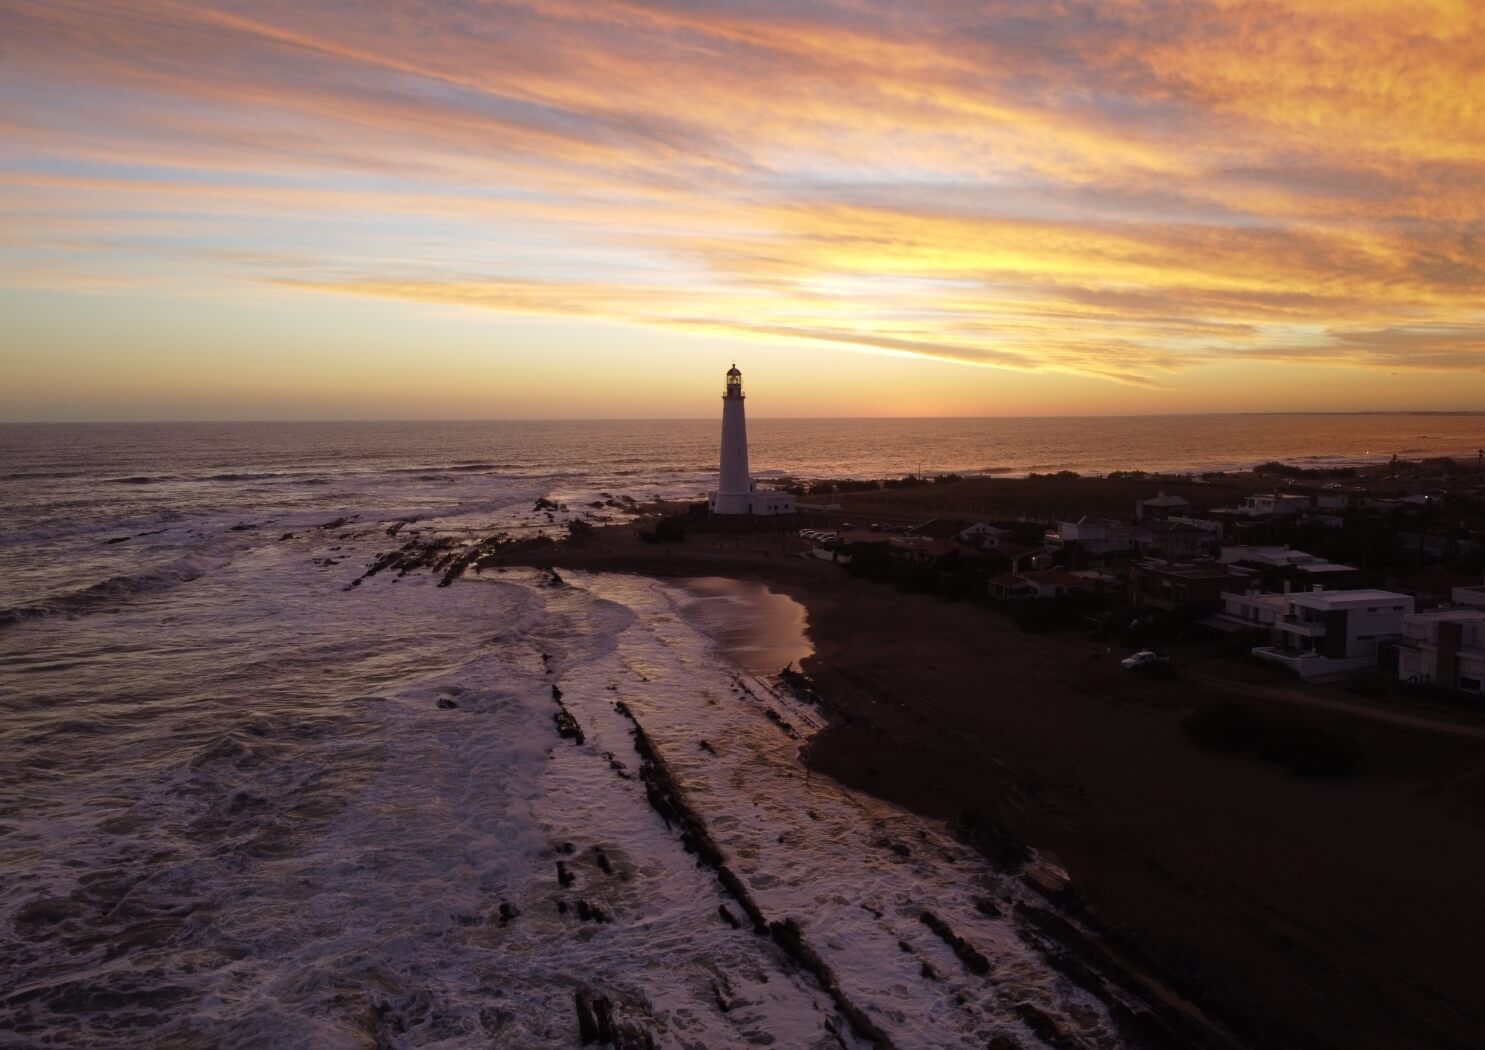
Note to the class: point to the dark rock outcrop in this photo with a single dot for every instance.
(973, 961)
(567, 726)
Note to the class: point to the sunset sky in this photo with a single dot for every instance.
(554, 208)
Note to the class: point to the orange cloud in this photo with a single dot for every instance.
(1126, 190)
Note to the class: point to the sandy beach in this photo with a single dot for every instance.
(1314, 912)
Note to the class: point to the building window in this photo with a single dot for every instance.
(1469, 685)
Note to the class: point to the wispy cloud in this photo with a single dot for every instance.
(1123, 189)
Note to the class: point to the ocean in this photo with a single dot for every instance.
(244, 804)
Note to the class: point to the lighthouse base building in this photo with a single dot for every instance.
(759, 503)
(736, 492)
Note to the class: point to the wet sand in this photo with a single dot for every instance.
(760, 630)
(1301, 912)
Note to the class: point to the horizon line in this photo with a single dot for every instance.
(708, 418)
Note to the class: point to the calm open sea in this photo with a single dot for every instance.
(243, 804)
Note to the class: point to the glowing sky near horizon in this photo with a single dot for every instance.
(419, 208)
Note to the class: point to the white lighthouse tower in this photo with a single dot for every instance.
(735, 493)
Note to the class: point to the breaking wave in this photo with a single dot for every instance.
(111, 592)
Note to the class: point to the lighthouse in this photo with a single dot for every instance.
(735, 493)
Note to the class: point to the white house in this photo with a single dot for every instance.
(985, 535)
(736, 492)
(1267, 503)
(1252, 609)
(1445, 647)
(1160, 506)
(1473, 595)
(1172, 539)
(1051, 583)
(1312, 569)
(1210, 525)
(1097, 536)
(1322, 632)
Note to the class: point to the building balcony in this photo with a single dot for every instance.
(1290, 658)
(1312, 666)
(1291, 625)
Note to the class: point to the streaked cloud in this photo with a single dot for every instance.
(1121, 189)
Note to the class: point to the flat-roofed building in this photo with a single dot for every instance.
(985, 535)
(1473, 595)
(1269, 503)
(1172, 540)
(1095, 535)
(1302, 569)
(1164, 585)
(1250, 609)
(1321, 633)
(1050, 583)
(1445, 647)
(1161, 505)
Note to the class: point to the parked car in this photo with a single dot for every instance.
(1143, 659)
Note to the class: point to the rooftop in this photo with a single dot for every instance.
(1076, 578)
(1363, 596)
(1190, 572)
(1168, 526)
(1450, 615)
(1281, 556)
(1323, 566)
(1256, 598)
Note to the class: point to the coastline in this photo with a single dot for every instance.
(1294, 911)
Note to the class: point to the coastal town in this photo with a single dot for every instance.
(1328, 572)
(1330, 575)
